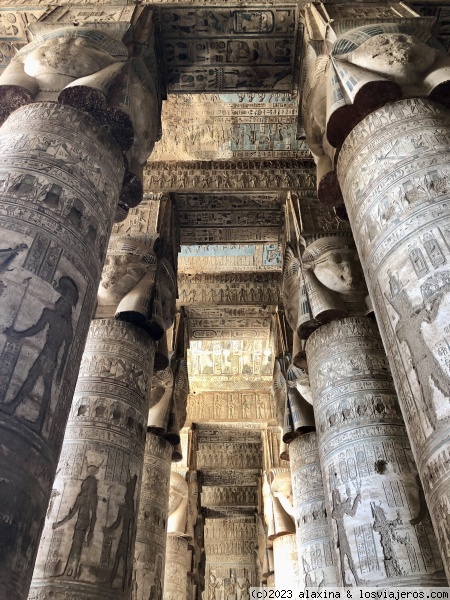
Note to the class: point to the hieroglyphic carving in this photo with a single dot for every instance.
(201, 176)
(404, 249)
(13, 26)
(229, 312)
(313, 536)
(225, 126)
(229, 496)
(248, 405)
(272, 457)
(318, 219)
(141, 220)
(249, 288)
(254, 48)
(150, 547)
(55, 218)
(230, 546)
(218, 477)
(350, 15)
(230, 432)
(441, 13)
(230, 357)
(175, 574)
(229, 258)
(243, 455)
(373, 494)
(101, 458)
(229, 218)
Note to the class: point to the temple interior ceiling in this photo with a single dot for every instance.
(230, 218)
(229, 48)
(225, 126)
(231, 151)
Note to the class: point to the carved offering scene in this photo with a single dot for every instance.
(224, 297)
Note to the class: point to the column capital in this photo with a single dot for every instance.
(357, 60)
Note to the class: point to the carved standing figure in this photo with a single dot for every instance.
(340, 509)
(58, 322)
(86, 508)
(126, 516)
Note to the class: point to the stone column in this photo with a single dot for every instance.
(153, 514)
(61, 174)
(279, 516)
(400, 215)
(285, 562)
(62, 179)
(150, 548)
(311, 524)
(381, 531)
(87, 546)
(177, 548)
(375, 112)
(175, 575)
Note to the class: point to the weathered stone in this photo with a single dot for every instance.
(100, 470)
(316, 564)
(150, 548)
(399, 213)
(381, 531)
(61, 175)
(175, 575)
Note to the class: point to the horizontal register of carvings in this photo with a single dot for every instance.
(298, 174)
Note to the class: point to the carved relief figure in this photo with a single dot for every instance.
(386, 529)
(156, 590)
(214, 584)
(340, 509)
(409, 330)
(58, 322)
(126, 516)
(86, 508)
(245, 588)
(7, 256)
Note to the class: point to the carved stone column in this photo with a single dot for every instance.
(382, 534)
(177, 548)
(61, 175)
(88, 541)
(87, 547)
(175, 576)
(311, 524)
(150, 549)
(400, 215)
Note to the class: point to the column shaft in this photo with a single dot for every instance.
(285, 559)
(175, 576)
(394, 170)
(60, 178)
(87, 546)
(150, 549)
(311, 524)
(382, 534)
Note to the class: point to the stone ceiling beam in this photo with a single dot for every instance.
(244, 175)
